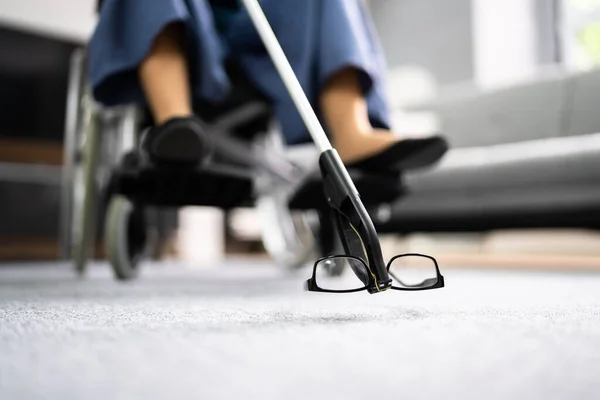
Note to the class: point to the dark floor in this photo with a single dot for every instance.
(248, 331)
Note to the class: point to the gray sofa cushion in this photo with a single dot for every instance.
(583, 106)
(530, 111)
(535, 162)
(560, 171)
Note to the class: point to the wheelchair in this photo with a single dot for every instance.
(104, 178)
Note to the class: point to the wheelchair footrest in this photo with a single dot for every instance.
(374, 190)
(211, 186)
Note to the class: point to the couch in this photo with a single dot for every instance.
(522, 156)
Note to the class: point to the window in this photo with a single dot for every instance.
(581, 33)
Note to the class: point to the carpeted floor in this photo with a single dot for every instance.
(248, 331)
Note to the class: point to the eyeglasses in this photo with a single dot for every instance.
(409, 272)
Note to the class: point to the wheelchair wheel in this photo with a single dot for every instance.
(70, 146)
(126, 237)
(288, 236)
(297, 238)
(84, 191)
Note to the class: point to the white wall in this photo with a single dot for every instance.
(68, 19)
(431, 34)
(504, 41)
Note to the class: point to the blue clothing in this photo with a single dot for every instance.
(319, 37)
(224, 15)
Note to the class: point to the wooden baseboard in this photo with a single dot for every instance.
(28, 249)
(31, 152)
(525, 262)
(36, 249)
(47, 249)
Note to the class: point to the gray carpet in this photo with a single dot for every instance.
(247, 331)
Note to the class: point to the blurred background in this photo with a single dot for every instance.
(514, 85)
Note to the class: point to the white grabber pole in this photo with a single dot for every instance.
(287, 75)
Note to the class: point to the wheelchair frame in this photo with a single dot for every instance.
(97, 138)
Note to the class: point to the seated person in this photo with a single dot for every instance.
(165, 53)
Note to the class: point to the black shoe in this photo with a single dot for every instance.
(405, 155)
(177, 142)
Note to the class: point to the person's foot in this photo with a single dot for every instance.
(179, 141)
(382, 151)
